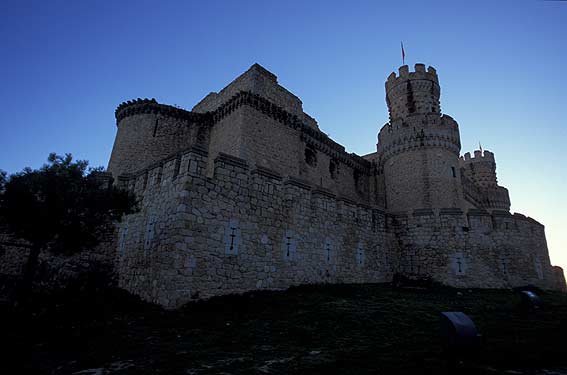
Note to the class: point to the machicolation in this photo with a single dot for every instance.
(245, 192)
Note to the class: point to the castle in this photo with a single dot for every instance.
(245, 192)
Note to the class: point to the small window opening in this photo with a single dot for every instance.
(310, 156)
(358, 181)
(453, 171)
(201, 136)
(334, 169)
(155, 127)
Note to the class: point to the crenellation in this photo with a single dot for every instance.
(420, 68)
(245, 192)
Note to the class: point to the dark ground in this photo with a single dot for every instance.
(333, 329)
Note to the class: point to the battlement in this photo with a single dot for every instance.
(227, 168)
(413, 93)
(479, 156)
(471, 219)
(256, 80)
(151, 106)
(481, 170)
(430, 131)
(404, 75)
(244, 192)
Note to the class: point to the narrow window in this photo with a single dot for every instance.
(454, 171)
(334, 169)
(155, 127)
(310, 156)
(201, 136)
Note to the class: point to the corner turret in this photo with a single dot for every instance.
(481, 169)
(480, 183)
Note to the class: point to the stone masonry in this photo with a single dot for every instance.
(245, 192)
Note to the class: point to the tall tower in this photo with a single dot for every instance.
(419, 147)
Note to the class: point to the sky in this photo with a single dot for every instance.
(502, 66)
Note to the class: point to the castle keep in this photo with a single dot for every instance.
(246, 192)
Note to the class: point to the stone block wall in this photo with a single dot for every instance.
(148, 131)
(249, 227)
(419, 157)
(255, 196)
(243, 229)
(261, 82)
(474, 248)
(255, 129)
(412, 93)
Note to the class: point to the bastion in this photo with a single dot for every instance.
(245, 192)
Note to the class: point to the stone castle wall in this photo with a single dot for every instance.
(474, 248)
(243, 229)
(251, 228)
(245, 192)
(253, 118)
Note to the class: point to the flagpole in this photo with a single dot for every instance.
(403, 54)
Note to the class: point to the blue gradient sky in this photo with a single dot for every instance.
(66, 65)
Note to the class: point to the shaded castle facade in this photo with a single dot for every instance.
(245, 192)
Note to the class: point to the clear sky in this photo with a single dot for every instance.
(66, 65)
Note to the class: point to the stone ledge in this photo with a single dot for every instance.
(364, 205)
(398, 214)
(322, 191)
(266, 172)
(501, 213)
(477, 212)
(347, 200)
(199, 150)
(423, 212)
(231, 160)
(378, 211)
(451, 211)
(297, 182)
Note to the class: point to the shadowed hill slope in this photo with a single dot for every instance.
(340, 329)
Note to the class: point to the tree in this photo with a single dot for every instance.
(60, 207)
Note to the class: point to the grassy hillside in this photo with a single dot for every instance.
(332, 329)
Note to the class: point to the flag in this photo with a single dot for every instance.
(480, 146)
(403, 54)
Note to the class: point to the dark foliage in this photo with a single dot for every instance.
(3, 177)
(60, 206)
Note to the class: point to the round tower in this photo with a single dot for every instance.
(481, 169)
(149, 131)
(413, 93)
(419, 146)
